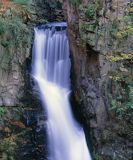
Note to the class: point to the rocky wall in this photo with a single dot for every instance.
(22, 119)
(95, 30)
(11, 74)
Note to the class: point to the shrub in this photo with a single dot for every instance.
(90, 11)
(122, 94)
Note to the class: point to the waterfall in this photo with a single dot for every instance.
(51, 71)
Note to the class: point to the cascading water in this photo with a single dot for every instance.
(51, 70)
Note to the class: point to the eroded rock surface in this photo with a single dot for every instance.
(12, 74)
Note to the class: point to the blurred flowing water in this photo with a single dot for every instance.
(51, 70)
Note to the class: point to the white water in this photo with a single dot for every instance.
(51, 70)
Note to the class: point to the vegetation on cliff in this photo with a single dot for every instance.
(103, 30)
(14, 34)
(13, 19)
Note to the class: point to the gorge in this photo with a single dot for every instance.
(100, 36)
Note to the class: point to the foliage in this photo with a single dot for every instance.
(98, 157)
(130, 9)
(3, 111)
(89, 24)
(123, 28)
(12, 9)
(75, 2)
(125, 32)
(7, 145)
(13, 29)
(119, 57)
(122, 100)
(89, 10)
(13, 131)
(88, 28)
(8, 149)
(2, 28)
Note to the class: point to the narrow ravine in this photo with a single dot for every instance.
(51, 70)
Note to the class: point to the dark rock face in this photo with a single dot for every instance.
(92, 85)
(47, 11)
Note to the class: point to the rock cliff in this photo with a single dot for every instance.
(22, 121)
(100, 34)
